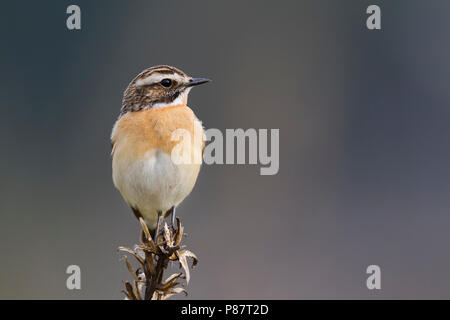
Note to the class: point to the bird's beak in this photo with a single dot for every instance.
(196, 82)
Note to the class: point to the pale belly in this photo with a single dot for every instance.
(153, 183)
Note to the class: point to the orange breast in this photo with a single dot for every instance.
(136, 133)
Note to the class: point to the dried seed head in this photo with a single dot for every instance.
(153, 260)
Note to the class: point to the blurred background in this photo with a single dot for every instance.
(364, 145)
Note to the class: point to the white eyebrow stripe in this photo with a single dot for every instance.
(157, 77)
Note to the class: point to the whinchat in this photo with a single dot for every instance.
(154, 106)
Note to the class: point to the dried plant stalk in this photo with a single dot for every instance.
(153, 260)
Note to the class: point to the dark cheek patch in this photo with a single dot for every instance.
(138, 98)
(168, 98)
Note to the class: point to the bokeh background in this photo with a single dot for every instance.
(364, 145)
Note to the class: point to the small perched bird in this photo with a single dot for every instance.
(153, 107)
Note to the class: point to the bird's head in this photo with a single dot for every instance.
(158, 87)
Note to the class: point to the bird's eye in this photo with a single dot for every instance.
(166, 83)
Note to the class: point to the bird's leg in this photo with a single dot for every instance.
(173, 227)
(158, 221)
(173, 217)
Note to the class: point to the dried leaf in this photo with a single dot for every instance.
(170, 282)
(145, 229)
(127, 295)
(130, 268)
(178, 223)
(167, 236)
(179, 234)
(148, 247)
(191, 255)
(136, 290)
(177, 290)
(130, 291)
(174, 276)
(167, 296)
(184, 264)
(168, 286)
(151, 245)
(141, 261)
